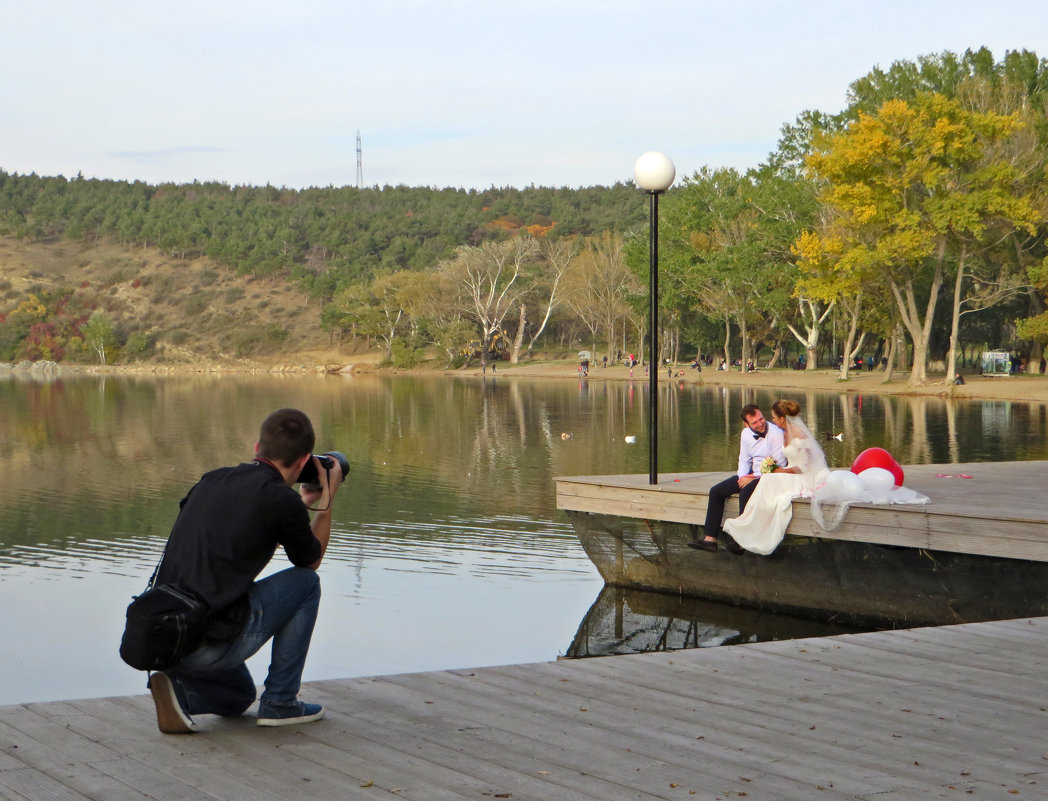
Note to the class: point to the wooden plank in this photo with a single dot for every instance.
(866, 729)
(25, 784)
(458, 745)
(994, 513)
(622, 748)
(931, 713)
(759, 700)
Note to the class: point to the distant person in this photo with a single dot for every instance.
(758, 441)
(958, 379)
(227, 530)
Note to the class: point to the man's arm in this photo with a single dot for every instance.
(323, 500)
(745, 458)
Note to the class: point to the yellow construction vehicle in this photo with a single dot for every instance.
(498, 348)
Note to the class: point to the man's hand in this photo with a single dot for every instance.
(321, 522)
(744, 480)
(329, 481)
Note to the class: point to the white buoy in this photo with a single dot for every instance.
(631, 439)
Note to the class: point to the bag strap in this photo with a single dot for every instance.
(152, 579)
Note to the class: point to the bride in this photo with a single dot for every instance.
(761, 527)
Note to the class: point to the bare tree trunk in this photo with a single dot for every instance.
(813, 320)
(775, 354)
(743, 343)
(727, 344)
(920, 330)
(850, 349)
(518, 340)
(893, 349)
(1033, 366)
(955, 326)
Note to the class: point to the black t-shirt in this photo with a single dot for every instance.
(228, 529)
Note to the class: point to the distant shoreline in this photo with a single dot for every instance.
(1021, 387)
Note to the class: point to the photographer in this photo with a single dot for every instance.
(228, 528)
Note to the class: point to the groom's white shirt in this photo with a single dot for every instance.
(754, 450)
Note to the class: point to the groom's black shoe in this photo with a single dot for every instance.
(732, 545)
(703, 545)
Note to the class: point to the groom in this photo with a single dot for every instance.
(758, 441)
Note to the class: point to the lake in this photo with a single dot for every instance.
(447, 549)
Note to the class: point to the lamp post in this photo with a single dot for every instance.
(653, 172)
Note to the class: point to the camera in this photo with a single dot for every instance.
(309, 475)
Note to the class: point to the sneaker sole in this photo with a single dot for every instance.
(290, 721)
(169, 715)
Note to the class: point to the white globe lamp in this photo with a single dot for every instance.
(654, 172)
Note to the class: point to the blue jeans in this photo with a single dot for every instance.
(214, 679)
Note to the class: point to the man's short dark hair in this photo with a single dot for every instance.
(749, 410)
(286, 436)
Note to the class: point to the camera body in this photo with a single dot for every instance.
(309, 476)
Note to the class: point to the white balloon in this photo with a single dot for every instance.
(877, 480)
(841, 485)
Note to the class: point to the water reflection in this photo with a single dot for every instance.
(447, 547)
(626, 621)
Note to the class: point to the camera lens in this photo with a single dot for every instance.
(309, 476)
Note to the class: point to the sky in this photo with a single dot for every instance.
(463, 93)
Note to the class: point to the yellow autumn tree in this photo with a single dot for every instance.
(910, 191)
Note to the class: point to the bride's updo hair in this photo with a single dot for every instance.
(786, 408)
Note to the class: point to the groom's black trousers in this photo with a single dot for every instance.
(719, 493)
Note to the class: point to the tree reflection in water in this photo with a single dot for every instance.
(447, 547)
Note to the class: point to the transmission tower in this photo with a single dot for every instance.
(360, 164)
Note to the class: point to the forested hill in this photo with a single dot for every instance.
(319, 238)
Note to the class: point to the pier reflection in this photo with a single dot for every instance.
(626, 621)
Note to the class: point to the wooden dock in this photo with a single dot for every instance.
(926, 713)
(999, 511)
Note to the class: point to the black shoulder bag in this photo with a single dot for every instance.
(163, 625)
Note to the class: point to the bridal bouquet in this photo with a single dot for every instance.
(768, 465)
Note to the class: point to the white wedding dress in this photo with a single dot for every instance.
(762, 526)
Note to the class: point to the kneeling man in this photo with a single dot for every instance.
(227, 531)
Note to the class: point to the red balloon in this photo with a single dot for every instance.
(878, 457)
